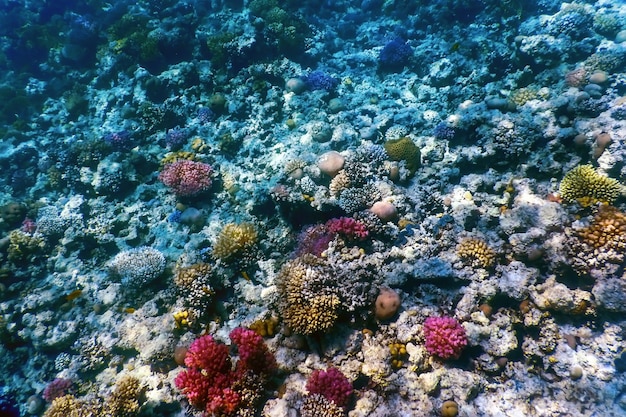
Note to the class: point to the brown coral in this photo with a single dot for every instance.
(602, 242)
(308, 304)
(476, 253)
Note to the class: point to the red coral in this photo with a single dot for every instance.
(187, 178)
(445, 337)
(210, 383)
(347, 227)
(253, 353)
(205, 353)
(331, 384)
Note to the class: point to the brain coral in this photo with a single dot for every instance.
(309, 303)
(585, 186)
(404, 149)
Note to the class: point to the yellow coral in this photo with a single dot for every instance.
(585, 186)
(523, 95)
(186, 277)
(124, 402)
(404, 149)
(476, 253)
(307, 305)
(234, 241)
(23, 245)
(172, 157)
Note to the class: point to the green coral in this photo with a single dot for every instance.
(586, 187)
(404, 149)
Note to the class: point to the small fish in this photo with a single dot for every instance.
(455, 46)
(73, 295)
(129, 310)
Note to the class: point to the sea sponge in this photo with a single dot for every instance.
(309, 302)
(235, 241)
(586, 187)
(404, 149)
(476, 253)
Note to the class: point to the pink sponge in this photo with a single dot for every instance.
(445, 337)
(331, 384)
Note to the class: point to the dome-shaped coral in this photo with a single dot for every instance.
(404, 149)
(445, 337)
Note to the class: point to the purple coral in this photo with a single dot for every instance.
(445, 337)
(331, 384)
(57, 388)
(176, 138)
(319, 80)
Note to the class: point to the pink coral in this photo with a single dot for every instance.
(187, 178)
(57, 388)
(445, 337)
(205, 353)
(331, 384)
(347, 227)
(253, 353)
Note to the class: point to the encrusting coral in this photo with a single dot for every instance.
(585, 186)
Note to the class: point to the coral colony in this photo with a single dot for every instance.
(268, 209)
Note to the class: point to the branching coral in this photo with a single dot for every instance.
(138, 266)
(331, 384)
(209, 382)
(602, 241)
(445, 337)
(585, 186)
(194, 285)
(187, 178)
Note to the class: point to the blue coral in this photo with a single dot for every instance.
(319, 80)
(395, 55)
